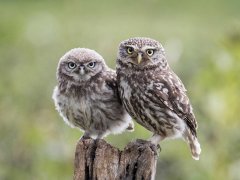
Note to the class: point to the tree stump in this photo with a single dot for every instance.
(98, 160)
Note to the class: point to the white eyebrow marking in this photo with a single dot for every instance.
(133, 46)
(148, 47)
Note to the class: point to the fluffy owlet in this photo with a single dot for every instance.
(153, 94)
(86, 95)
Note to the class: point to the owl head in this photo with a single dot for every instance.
(141, 52)
(80, 65)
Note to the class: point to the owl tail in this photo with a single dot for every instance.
(195, 149)
(194, 146)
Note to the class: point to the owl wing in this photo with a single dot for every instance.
(169, 89)
(111, 82)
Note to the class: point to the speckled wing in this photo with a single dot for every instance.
(169, 89)
(111, 82)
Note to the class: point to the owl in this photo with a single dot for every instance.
(153, 94)
(86, 95)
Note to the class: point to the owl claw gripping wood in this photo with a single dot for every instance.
(153, 94)
(86, 95)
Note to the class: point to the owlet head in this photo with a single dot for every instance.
(141, 52)
(79, 65)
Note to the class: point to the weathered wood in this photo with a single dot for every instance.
(98, 160)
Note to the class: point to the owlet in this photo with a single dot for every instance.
(86, 95)
(153, 94)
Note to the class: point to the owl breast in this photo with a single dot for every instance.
(75, 111)
(135, 102)
(145, 107)
(98, 113)
(126, 94)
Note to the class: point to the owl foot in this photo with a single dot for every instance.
(84, 137)
(130, 127)
(142, 144)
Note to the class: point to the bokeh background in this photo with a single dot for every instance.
(202, 41)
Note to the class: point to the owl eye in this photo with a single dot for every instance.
(130, 50)
(149, 52)
(91, 64)
(72, 65)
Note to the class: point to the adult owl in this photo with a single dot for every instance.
(153, 94)
(86, 95)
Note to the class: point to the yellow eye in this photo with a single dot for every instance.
(149, 52)
(130, 50)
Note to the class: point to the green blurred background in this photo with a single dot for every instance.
(202, 41)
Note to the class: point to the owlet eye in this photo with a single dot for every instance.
(72, 65)
(130, 50)
(149, 52)
(91, 64)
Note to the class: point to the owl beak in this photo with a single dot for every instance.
(81, 70)
(139, 58)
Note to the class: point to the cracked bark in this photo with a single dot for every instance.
(98, 160)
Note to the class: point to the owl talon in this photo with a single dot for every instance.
(84, 137)
(142, 144)
(130, 127)
(141, 141)
(155, 148)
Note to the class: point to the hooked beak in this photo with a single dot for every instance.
(139, 58)
(81, 70)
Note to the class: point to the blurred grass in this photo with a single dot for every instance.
(202, 41)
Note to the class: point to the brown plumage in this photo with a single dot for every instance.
(86, 95)
(153, 94)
